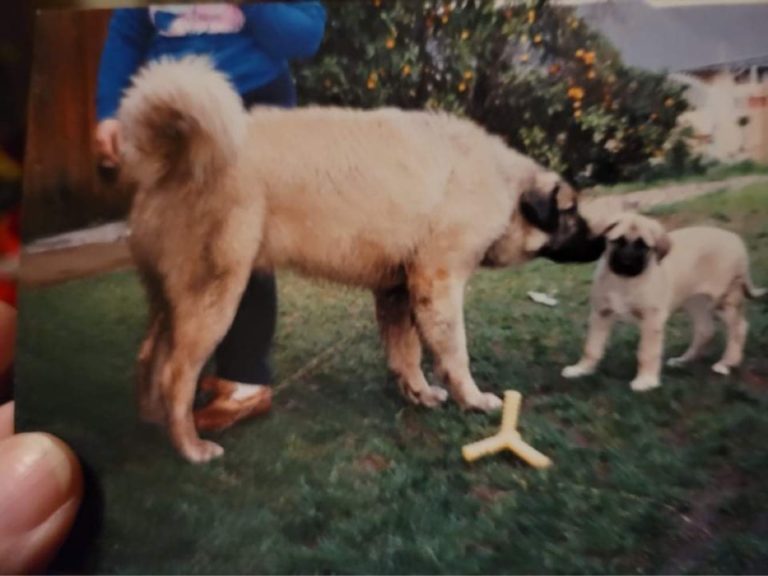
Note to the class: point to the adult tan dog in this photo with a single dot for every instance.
(646, 274)
(407, 204)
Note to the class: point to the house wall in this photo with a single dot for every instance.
(758, 104)
(719, 103)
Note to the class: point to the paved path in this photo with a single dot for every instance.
(103, 249)
(645, 199)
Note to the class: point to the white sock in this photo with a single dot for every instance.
(243, 391)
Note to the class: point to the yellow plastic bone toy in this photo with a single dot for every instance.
(507, 438)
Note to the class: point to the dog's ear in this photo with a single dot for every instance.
(663, 245)
(655, 235)
(612, 231)
(539, 202)
(566, 195)
(615, 227)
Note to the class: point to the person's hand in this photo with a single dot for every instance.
(41, 484)
(108, 142)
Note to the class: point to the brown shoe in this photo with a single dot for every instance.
(229, 404)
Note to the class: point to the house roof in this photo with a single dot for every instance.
(683, 37)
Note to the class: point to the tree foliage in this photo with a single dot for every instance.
(532, 72)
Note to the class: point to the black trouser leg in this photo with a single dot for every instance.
(243, 354)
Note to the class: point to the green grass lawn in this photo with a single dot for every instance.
(344, 477)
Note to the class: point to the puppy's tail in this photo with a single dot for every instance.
(752, 291)
(182, 123)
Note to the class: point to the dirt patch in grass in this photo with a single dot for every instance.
(373, 463)
(754, 374)
(487, 494)
(700, 526)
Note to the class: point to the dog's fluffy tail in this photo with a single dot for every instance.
(182, 122)
(752, 291)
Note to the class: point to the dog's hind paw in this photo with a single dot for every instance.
(677, 362)
(576, 371)
(429, 396)
(484, 402)
(201, 451)
(721, 368)
(432, 397)
(644, 383)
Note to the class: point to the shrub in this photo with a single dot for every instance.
(531, 72)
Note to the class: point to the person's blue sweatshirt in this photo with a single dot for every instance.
(252, 44)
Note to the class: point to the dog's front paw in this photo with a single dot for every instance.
(576, 371)
(432, 397)
(721, 368)
(201, 451)
(643, 383)
(677, 361)
(484, 402)
(428, 396)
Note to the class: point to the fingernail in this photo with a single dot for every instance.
(36, 480)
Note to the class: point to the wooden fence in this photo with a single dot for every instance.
(63, 187)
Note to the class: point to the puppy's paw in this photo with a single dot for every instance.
(431, 397)
(484, 402)
(677, 362)
(201, 451)
(643, 383)
(576, 371)
(721, 368)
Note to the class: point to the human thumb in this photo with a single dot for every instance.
(41, 485)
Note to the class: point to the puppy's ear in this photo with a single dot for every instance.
(663, 245)
(655, 235)
(609, 231)
(538, 203)
(647, 230)
(615, 227)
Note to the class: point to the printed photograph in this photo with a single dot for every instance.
(399, 286)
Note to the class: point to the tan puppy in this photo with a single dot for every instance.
(406, 204)
(646, 274)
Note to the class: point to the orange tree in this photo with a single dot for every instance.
(529, 71)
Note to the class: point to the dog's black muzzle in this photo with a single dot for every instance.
(628, 258)
(572, 242)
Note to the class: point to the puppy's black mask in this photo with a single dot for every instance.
(570, 239)
(628, 257)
